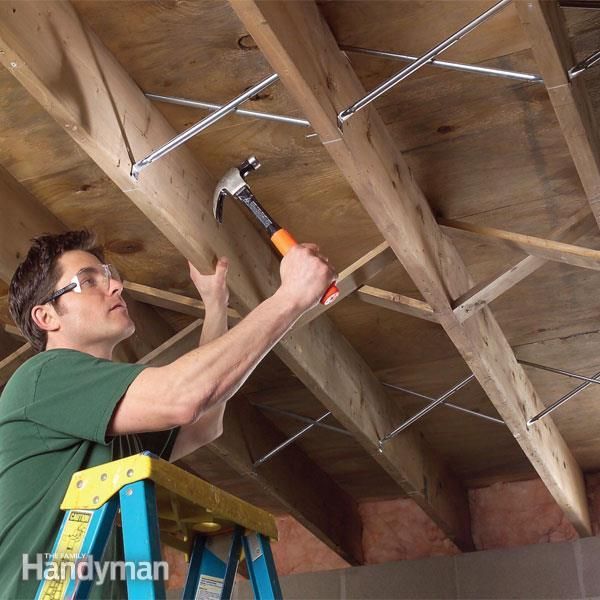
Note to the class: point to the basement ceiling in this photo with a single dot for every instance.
(486, 150)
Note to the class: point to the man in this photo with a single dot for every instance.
(64, 408)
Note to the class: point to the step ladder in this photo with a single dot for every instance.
(158, 501)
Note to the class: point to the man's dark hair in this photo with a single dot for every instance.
(36, 278)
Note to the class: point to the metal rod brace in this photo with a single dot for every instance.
(183, 137)
(417, 64)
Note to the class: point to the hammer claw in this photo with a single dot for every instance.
(218, 207)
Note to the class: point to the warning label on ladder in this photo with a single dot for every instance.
(209, 588)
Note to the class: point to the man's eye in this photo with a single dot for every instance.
(88, 282)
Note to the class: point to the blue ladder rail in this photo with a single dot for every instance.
(149, 492)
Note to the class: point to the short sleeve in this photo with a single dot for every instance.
(76, 394)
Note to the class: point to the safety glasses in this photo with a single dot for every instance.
(87, 280)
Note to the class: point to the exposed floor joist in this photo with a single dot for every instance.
(545, 25)
(22, 218)
(8, 342)
(297, 42)
(546, 249)
(177, 196)
(398, 302)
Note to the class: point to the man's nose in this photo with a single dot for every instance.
(115, 286)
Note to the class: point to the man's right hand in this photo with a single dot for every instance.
(305, 276)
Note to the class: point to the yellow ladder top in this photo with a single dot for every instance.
(181, 497)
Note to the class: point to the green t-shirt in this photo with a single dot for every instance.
(54, 413)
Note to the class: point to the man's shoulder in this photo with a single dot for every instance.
(28, 372)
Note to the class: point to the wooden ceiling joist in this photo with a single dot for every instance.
(545, 25)
(398, 302)
(485, 292)
(23, 217)
(42, 39)
(296, 40)
(546, 249)
(169, 300)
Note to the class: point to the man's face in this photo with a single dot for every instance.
(95, 316)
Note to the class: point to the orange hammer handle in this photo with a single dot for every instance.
(283, 241)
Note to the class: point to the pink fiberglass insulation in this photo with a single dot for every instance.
(515, 514)
(299, 551)
(400, 530)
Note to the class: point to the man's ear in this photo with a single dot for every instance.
(45, 317)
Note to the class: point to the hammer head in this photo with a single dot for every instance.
(231, 183)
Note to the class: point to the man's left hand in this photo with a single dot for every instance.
(213, 287)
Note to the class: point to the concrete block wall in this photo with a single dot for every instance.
(560, 570)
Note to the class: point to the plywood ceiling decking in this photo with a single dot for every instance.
(482, 149)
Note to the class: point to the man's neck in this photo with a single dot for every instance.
(99, 349)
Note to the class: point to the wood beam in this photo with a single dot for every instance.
(169, 300)
(545, 249)
(42, 39)
(13, 361)
(8, 343)
(290, 477)
(183, 341)
(298, 43)
(576, 226)
(545, 25)
(14, 331)
(397, 302)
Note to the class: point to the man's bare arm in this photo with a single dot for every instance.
(179, 393)
(215, 296)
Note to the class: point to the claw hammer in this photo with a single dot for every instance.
(233, 183)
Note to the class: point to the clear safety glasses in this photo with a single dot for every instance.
(88, 279)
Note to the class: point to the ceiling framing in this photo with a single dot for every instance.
(452, 192)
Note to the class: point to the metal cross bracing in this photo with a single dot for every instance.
(435, 402)
(587, 381)
(183, 137)
(445, 404)
(416, 63)
(238, 111)
(313, 423)
(420, 62)
(444, 64)
(584, 65)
